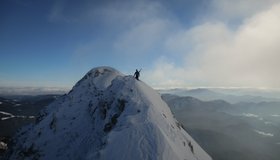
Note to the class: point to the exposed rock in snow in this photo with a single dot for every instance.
(3, 146)
(107, 115)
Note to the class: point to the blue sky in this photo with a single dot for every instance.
(183, 43)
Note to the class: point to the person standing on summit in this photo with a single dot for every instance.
(137, 74)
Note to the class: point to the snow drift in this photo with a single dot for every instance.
(107, 116)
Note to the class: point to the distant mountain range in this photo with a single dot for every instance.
(243, 131)
(229, 95)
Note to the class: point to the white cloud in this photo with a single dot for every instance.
(165, 75)
(141, 25)
(57, 12)
(130, 27)
(232, 9)
(143, 37)
(215, 55)
(127, 13)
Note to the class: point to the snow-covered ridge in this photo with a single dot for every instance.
(107, 115)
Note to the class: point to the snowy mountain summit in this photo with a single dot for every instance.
(107, 116)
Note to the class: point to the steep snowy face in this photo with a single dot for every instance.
(107, 116)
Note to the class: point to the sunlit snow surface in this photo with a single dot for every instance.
(107, 116)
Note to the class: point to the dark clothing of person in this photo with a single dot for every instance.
(137, 74)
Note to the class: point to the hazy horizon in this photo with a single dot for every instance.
(33, 91)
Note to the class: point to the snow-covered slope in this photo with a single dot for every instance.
(107, 115)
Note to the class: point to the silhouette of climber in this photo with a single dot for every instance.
(137, 74)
